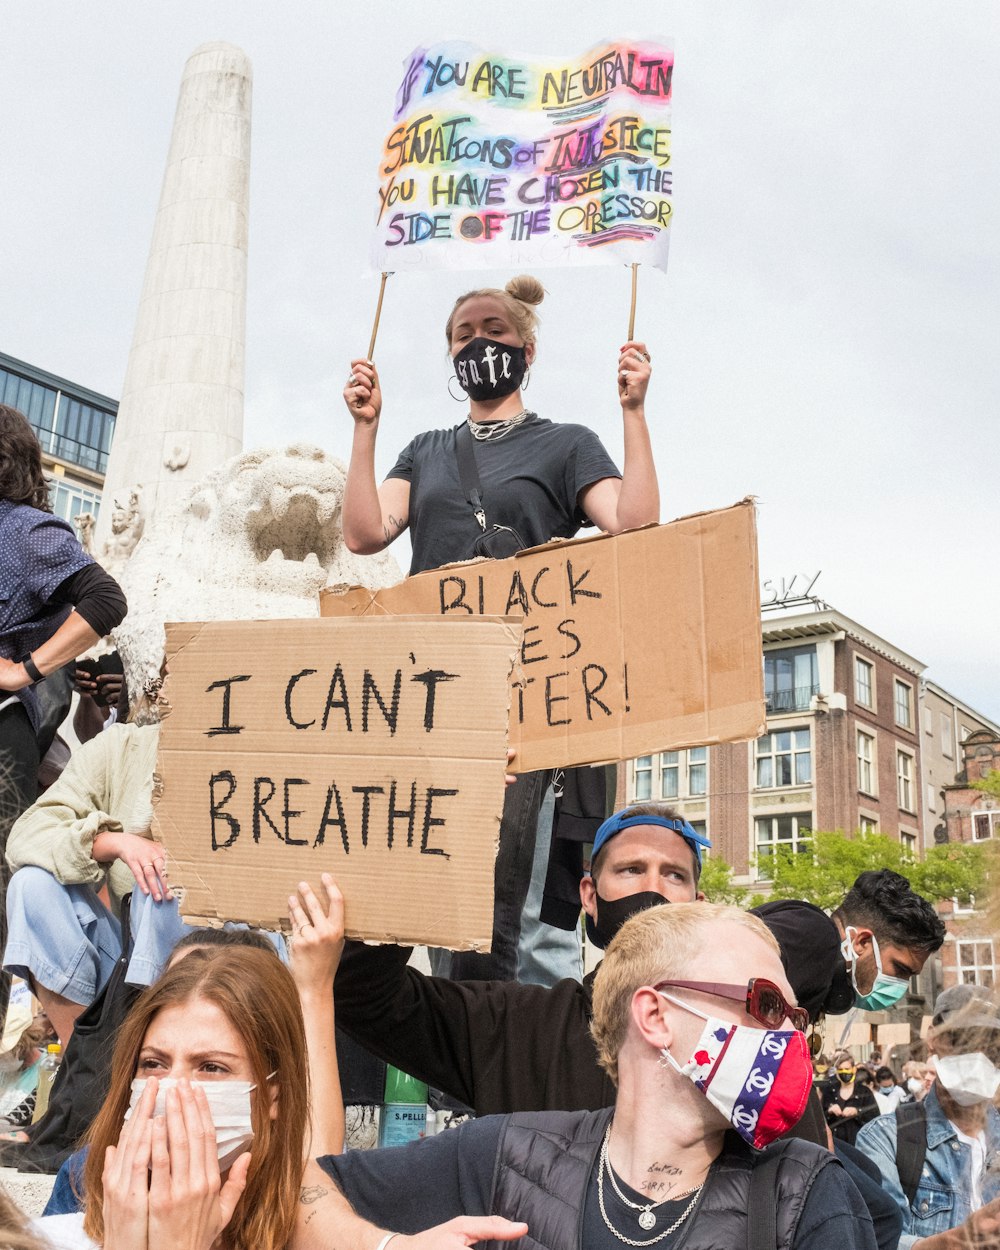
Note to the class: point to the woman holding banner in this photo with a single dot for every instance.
(502, 480)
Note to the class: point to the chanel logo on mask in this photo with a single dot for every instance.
(774, 1045)
(745, 1118)
(759, 1082)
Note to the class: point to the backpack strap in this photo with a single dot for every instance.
(762, 1208)
(911, 1146)
(469, 474)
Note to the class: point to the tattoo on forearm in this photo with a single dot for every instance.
(393, 529)
(312, 1193)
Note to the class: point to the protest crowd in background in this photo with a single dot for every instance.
(184, 1084)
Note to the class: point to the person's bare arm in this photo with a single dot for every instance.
(372, 515)
(72, 638)
(327, 1221)
(616, 504)
(317, 944)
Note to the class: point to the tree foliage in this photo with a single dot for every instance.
(826, 868)
(990, 784)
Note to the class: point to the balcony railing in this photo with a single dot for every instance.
(81, 454)
(795, 700)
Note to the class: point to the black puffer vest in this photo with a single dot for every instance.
(545, 1161)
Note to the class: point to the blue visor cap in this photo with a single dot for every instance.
(622, 820)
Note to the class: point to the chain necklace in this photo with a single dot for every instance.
(647, 1219)
(495, 430)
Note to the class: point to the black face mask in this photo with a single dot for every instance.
(612, 914)
(487, 369)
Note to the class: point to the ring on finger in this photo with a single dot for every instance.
(351, 380)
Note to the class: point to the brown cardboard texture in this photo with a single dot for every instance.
(642, 642)
(374, 750)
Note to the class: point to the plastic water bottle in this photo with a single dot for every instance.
(47, 1070)
(404, 1113)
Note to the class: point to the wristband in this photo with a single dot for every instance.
(31, 668)
(385, 1241)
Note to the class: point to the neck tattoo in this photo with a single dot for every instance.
(646, 1219)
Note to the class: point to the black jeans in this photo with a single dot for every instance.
(513, 878)
(18, 790)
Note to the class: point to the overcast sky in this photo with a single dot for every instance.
(825, 338)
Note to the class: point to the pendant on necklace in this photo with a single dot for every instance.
(647, 1220)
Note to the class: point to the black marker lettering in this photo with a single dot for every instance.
(431, 677)
(215, 809)
(542, 603)
(591, 692)
(457, 603)
(431, 822)
(551, 699)
(288, 700)
(226, 683)
(333, 796)
(288, 813)
(258, 807)
(534, 642)
(409, 814)
(367, 792)
(370, 691)
(575, 584)
(563, 628)
(337, 681)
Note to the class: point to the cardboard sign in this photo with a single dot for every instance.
(374, 750)
(647, 641)
(499, 160)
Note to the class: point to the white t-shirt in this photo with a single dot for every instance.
(64, 1232)
(977, 1149)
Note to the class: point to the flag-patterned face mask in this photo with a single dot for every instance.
(759, 1079)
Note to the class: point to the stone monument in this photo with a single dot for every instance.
(181, 410)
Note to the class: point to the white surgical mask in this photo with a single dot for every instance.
(9, 1062)
(914, 1085)
(969, 1079)
(229, 1104)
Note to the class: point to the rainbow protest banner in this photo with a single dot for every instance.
(495, 161)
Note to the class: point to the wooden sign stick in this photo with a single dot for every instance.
(378, 314)
(631, 315)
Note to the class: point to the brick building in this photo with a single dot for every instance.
(842, 748)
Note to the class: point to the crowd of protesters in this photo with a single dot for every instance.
(668, 1096)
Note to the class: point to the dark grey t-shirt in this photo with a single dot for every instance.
(530, 481)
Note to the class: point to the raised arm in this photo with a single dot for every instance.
(372, 515)
(317, 944)
(619, 504)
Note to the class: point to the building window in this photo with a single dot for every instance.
(784, 759)
(697, 765)
(868, 824)
(68, 499)
(947, 736)
(867, 773)
(985, 825)
(670, 769)
(908, 841)
(928, 721)
(791, 678)
(903, 703)
(904, 781)
(864, 682)
(772, 832)
(643, 788)
(976, 962)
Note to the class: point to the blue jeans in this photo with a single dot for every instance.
(69, 942)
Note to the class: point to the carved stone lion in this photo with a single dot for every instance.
(257, 538)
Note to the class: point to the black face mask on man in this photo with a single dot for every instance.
(612, 914)
(487, 369)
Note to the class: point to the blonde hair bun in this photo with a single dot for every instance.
(526, 288)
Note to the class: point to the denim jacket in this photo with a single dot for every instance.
(943, 1195)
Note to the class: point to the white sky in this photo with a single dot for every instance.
(826, 338)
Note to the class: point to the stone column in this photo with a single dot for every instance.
(181, 411)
